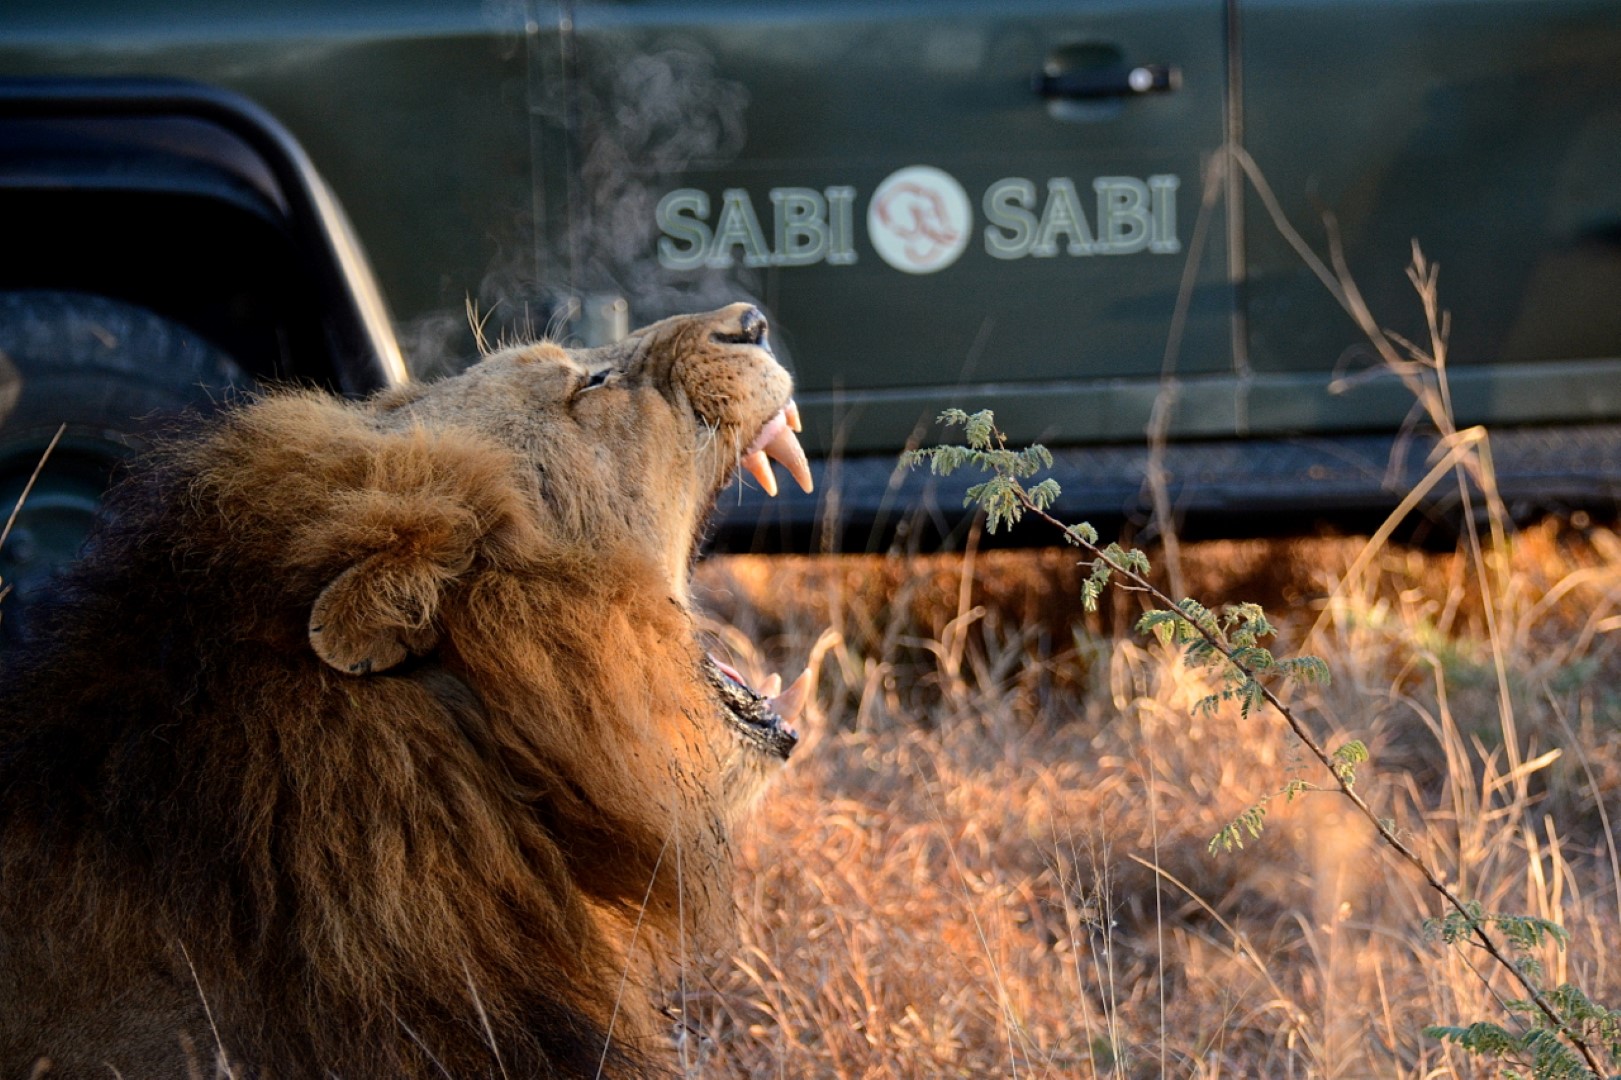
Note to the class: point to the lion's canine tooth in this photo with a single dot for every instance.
(757, 465)
(791, 702)
(791, 412)
(784, 447)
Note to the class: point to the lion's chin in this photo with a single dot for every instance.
(762, 722)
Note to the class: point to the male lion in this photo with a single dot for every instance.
(376, 739)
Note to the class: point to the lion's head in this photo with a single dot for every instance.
(379, 738)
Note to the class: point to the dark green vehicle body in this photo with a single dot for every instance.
(938, 203)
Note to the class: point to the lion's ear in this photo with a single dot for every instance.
(376, 613)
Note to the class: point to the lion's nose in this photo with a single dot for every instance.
(748, 326)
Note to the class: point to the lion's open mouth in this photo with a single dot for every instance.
(764, 719)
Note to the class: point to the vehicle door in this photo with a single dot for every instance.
(1490, 134)
(982, 204)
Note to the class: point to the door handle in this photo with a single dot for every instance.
(1113, 81)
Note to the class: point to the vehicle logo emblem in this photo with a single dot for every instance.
(919, 219)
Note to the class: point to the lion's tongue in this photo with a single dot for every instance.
(776, 442)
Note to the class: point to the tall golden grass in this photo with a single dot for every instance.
(989, 857)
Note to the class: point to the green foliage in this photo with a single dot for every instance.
(1229, 645)
(1250, 821)
(1346, 759)
(1540, 1047)
(1588, 1018)
(1114, 558)
(1002, 497)
(1524, 932)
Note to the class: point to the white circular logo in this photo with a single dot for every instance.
(919, 219)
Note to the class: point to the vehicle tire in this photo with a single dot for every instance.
(106, 373)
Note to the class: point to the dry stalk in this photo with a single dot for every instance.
(28, 488)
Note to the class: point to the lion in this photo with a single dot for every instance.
(379, 738)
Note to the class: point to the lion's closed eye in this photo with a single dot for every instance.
(593, 380)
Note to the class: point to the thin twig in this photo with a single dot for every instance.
(39, 467)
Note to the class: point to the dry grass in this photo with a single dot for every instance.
(989, 858)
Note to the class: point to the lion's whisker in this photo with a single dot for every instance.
(555, 322)
(476, 322)
(709, 433)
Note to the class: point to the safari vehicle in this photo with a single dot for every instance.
(1041, 208)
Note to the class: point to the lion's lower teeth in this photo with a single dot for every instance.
(791, 702)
